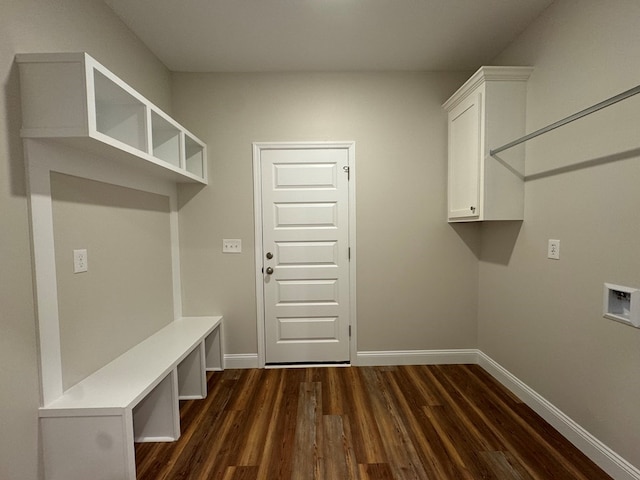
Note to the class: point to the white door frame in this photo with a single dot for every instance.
(258, 147)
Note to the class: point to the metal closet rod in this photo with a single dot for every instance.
(569, 119)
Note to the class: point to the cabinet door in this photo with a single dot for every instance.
(465, 158)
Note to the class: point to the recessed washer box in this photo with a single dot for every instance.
(622, 304)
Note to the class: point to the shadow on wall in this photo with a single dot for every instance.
(469, 233)
(585, 164)
(491, 242)
(494, 242)
(13, 114)
(187, 191)
(498, 240)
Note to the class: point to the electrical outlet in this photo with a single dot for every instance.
(231, 245)
(80, 261)
(553, 249)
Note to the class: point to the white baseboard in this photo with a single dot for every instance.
(240, 360)
(607, 459)
(416, 357)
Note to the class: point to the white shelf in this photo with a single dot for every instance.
(74, 99)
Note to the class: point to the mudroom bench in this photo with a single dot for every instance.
(90, 430)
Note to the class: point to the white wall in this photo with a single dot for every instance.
(539, 318)
(417, 278)
(542, 319)
(42, 26)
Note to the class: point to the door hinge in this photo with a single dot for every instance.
(349, 330)
(347, 170)
(349, 253)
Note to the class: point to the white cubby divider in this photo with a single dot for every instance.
(194, 155)
(166, 143)
(73, 98)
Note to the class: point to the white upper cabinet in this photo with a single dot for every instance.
(73, 98)
(485, 113)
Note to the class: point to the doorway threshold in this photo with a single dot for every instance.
(307, 364)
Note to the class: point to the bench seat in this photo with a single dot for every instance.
(89, 431)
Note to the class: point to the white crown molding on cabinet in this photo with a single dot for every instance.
(488, 74)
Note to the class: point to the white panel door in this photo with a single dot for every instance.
(305, 242)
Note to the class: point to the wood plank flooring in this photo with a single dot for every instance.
(445, 422)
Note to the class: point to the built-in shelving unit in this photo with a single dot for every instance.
(80, 119)
(73, 98)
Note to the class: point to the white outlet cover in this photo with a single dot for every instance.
(553, 249)
(80, 261)
(232, 245)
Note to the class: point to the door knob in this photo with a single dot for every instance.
(269, 270)
(269, 255)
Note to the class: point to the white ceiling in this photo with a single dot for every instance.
(326, 35)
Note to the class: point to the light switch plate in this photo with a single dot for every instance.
(232, 245)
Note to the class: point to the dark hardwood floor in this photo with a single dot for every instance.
(412, 422)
